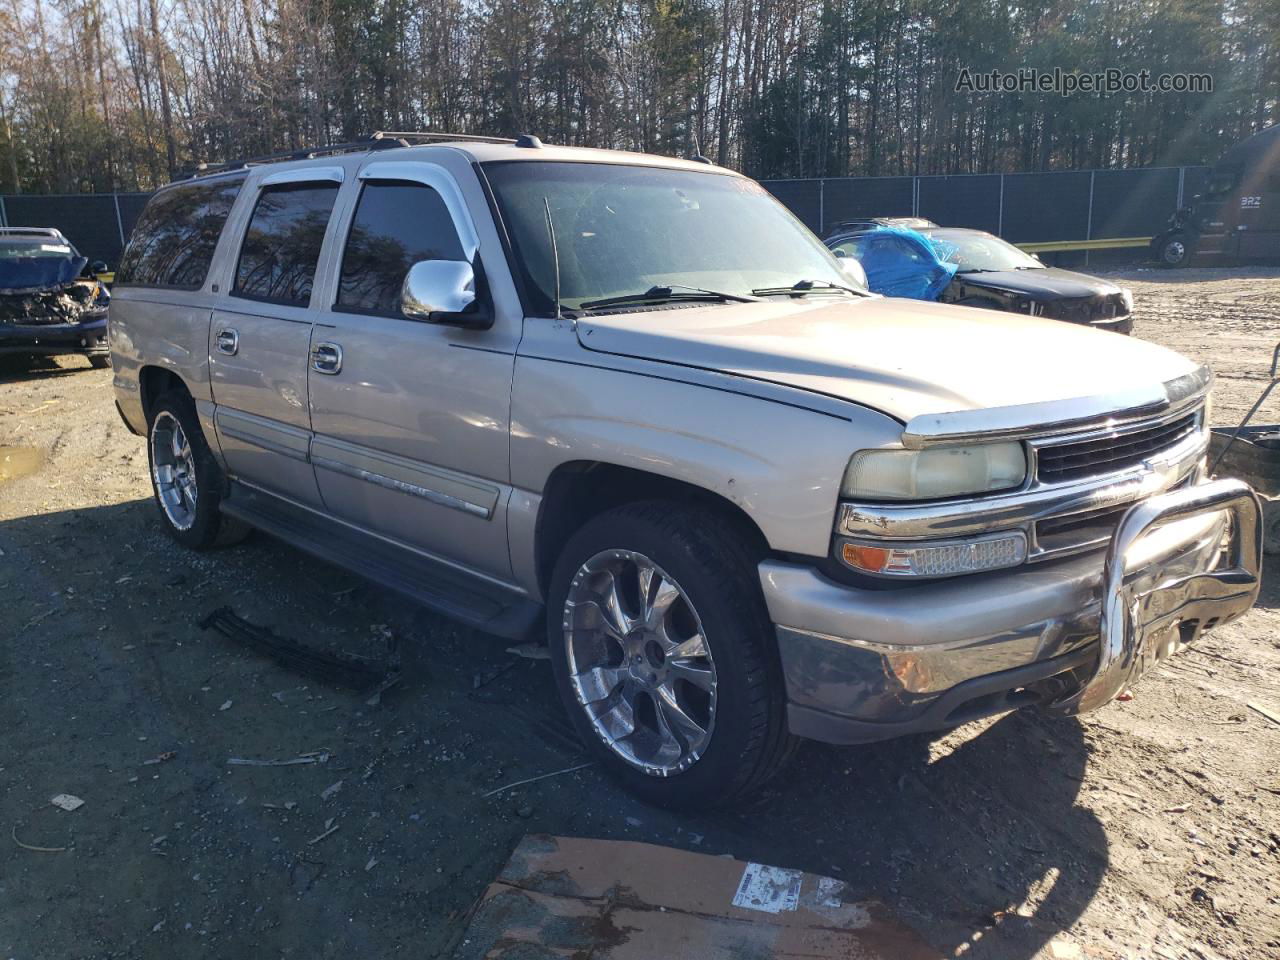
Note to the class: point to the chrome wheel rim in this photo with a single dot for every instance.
(639, 664)
(173, 470)
(1174, 251)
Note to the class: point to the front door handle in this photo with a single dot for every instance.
(326, 358)
(228, 342)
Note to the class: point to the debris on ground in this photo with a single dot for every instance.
(375, 698)
(531, 651)
(675, 904)
(521, 783)
(27, 846)
(330, 828)
(334, 667)
(318, 756)
(67, 801)
(331, 790)
(162, 758)
(1270, 715)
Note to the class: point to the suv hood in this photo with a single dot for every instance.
(1050, 283)
(903, 357)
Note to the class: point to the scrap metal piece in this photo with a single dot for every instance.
(330, 666)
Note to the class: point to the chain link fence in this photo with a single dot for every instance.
(97, 223)
(1075, 205)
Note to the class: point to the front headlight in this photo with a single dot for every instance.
(1126, 298)
(935, 472)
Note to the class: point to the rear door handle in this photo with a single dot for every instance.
(326, 358)
(228, 342)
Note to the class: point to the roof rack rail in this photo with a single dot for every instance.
(307, 153)
(378, 140)
(428, 135)
(32, 232)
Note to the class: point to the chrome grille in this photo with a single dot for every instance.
(1058, 463)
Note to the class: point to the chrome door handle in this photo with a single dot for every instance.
(228, 342)
(326, 358)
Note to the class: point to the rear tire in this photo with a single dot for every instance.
(685, 705)
(185, 477)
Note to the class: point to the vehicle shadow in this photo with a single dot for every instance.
(974, 838)
(16, 368)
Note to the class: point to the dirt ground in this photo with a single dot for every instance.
(1149, 829)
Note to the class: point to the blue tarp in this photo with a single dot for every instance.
(902, 263)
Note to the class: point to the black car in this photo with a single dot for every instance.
(977, 269)
(51, 301)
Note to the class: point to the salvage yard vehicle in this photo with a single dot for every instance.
(1237, 217)
(51, 301)
(973, 268)
(631, 401)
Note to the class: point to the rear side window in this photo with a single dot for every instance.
(396, 224)
(173, 241)
(282, 244)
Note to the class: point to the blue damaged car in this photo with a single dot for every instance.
(974, 268)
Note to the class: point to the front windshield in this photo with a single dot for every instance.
(972, 252)
(623, 229)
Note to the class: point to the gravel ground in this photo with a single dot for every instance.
(1148, 829)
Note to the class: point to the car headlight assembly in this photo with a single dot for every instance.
(1126, 299)
(945, 558)
(934, 473)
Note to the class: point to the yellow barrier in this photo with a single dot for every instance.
(1113, 243)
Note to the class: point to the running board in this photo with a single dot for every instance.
(455, 593)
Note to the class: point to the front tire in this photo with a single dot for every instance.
(185, 478)
(1175, 250)
(664, 655)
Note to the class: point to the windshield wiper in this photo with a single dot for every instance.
(668, 293)
(803, 287)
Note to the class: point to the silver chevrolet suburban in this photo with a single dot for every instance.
(631, 401)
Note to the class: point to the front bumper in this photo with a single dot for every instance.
(88, 337)
(865, 665)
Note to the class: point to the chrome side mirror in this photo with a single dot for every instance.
(438, 291)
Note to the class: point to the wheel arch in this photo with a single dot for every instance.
(155, 381)
(578, 490)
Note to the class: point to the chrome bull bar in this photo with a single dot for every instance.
(1139, 625)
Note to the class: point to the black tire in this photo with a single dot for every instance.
(713, 560)
(208, 527)
(100, 362)
(1175, 250)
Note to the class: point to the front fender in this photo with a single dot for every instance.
(781, 463)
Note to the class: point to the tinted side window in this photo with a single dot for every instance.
(174, 239)
(282, 244)
(396, 224)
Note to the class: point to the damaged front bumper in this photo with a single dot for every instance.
(88, 336)
(864, 665)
